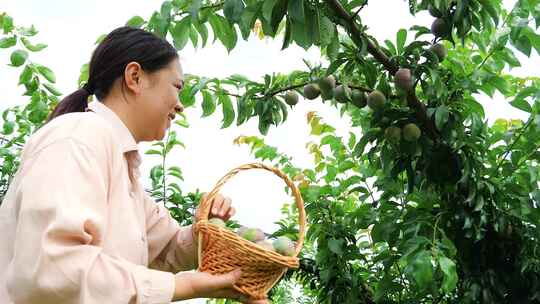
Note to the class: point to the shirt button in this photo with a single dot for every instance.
(132, 194)
(143, 239)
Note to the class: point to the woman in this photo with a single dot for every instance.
(76, 225)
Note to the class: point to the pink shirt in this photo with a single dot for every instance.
(75, 229)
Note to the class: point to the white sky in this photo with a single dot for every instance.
(70, 28)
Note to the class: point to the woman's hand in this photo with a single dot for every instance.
(190, 285)
(220, 207)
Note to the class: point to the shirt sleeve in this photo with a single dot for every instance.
(171, 247)
(61, 217)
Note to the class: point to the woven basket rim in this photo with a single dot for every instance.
(205, 203)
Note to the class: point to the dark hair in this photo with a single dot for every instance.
(109, 60)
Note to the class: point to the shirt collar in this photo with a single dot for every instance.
(122, 133)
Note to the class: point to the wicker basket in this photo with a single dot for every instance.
(223, 250)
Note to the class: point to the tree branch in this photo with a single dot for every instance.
(357, 36)
(492, 49)
(285, 89)
(212, 6)
(358, 10)
(224, 91)
(3, 139)
(511, 146)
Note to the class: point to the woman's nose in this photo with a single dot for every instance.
(179, 108)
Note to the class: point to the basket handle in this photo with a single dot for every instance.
(205, 204)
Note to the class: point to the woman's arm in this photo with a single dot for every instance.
(170, 247)
(174, 248)
(62, 214)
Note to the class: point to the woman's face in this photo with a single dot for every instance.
(158, 101)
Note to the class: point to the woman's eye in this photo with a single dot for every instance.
(178, 86)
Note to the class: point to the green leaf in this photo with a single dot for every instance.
(263, 126)
(26, 75)
(83, 77)
(288, 35)
(421, 269)
(224, 31)
(448, 268)
(18, 57)
(523, 45)
(228, 111)
(165, 9)
(208, 104)
(391, 47)
(7, 24)
(312, 21)
(534, 39)
(332, 50)
(331, 173)
(158, 24)
(336, 246)
(135, 21)
(232, 9)
(327, 29)
(510, 58)
(194, 9)
(52, 89)
(284, 111)
(47, 73)
(520, 101)
(7, 42)
(248, 19)
(31, 47)
(203, 31)
(368, 136)
(441, 117)
(401, 39)
(242, 108)
(521, 104)
(100, 38)
(381, 231)
(153, 152)
(267, 8)
(28, 31)
(279, 10)
(193, 36)
(500, 83)
(180, 32)
(9, 127)
(296, 10)
(301, 34)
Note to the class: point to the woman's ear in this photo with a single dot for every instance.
(132, 76)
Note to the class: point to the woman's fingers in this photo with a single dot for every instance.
(206, 283)
(216, 205)
(228, 293)
(189, 285)
(238, 296)
(231, 213)
(220, 207)
(224, 209)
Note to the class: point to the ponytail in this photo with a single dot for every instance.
(109, 60)
(74, 102)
